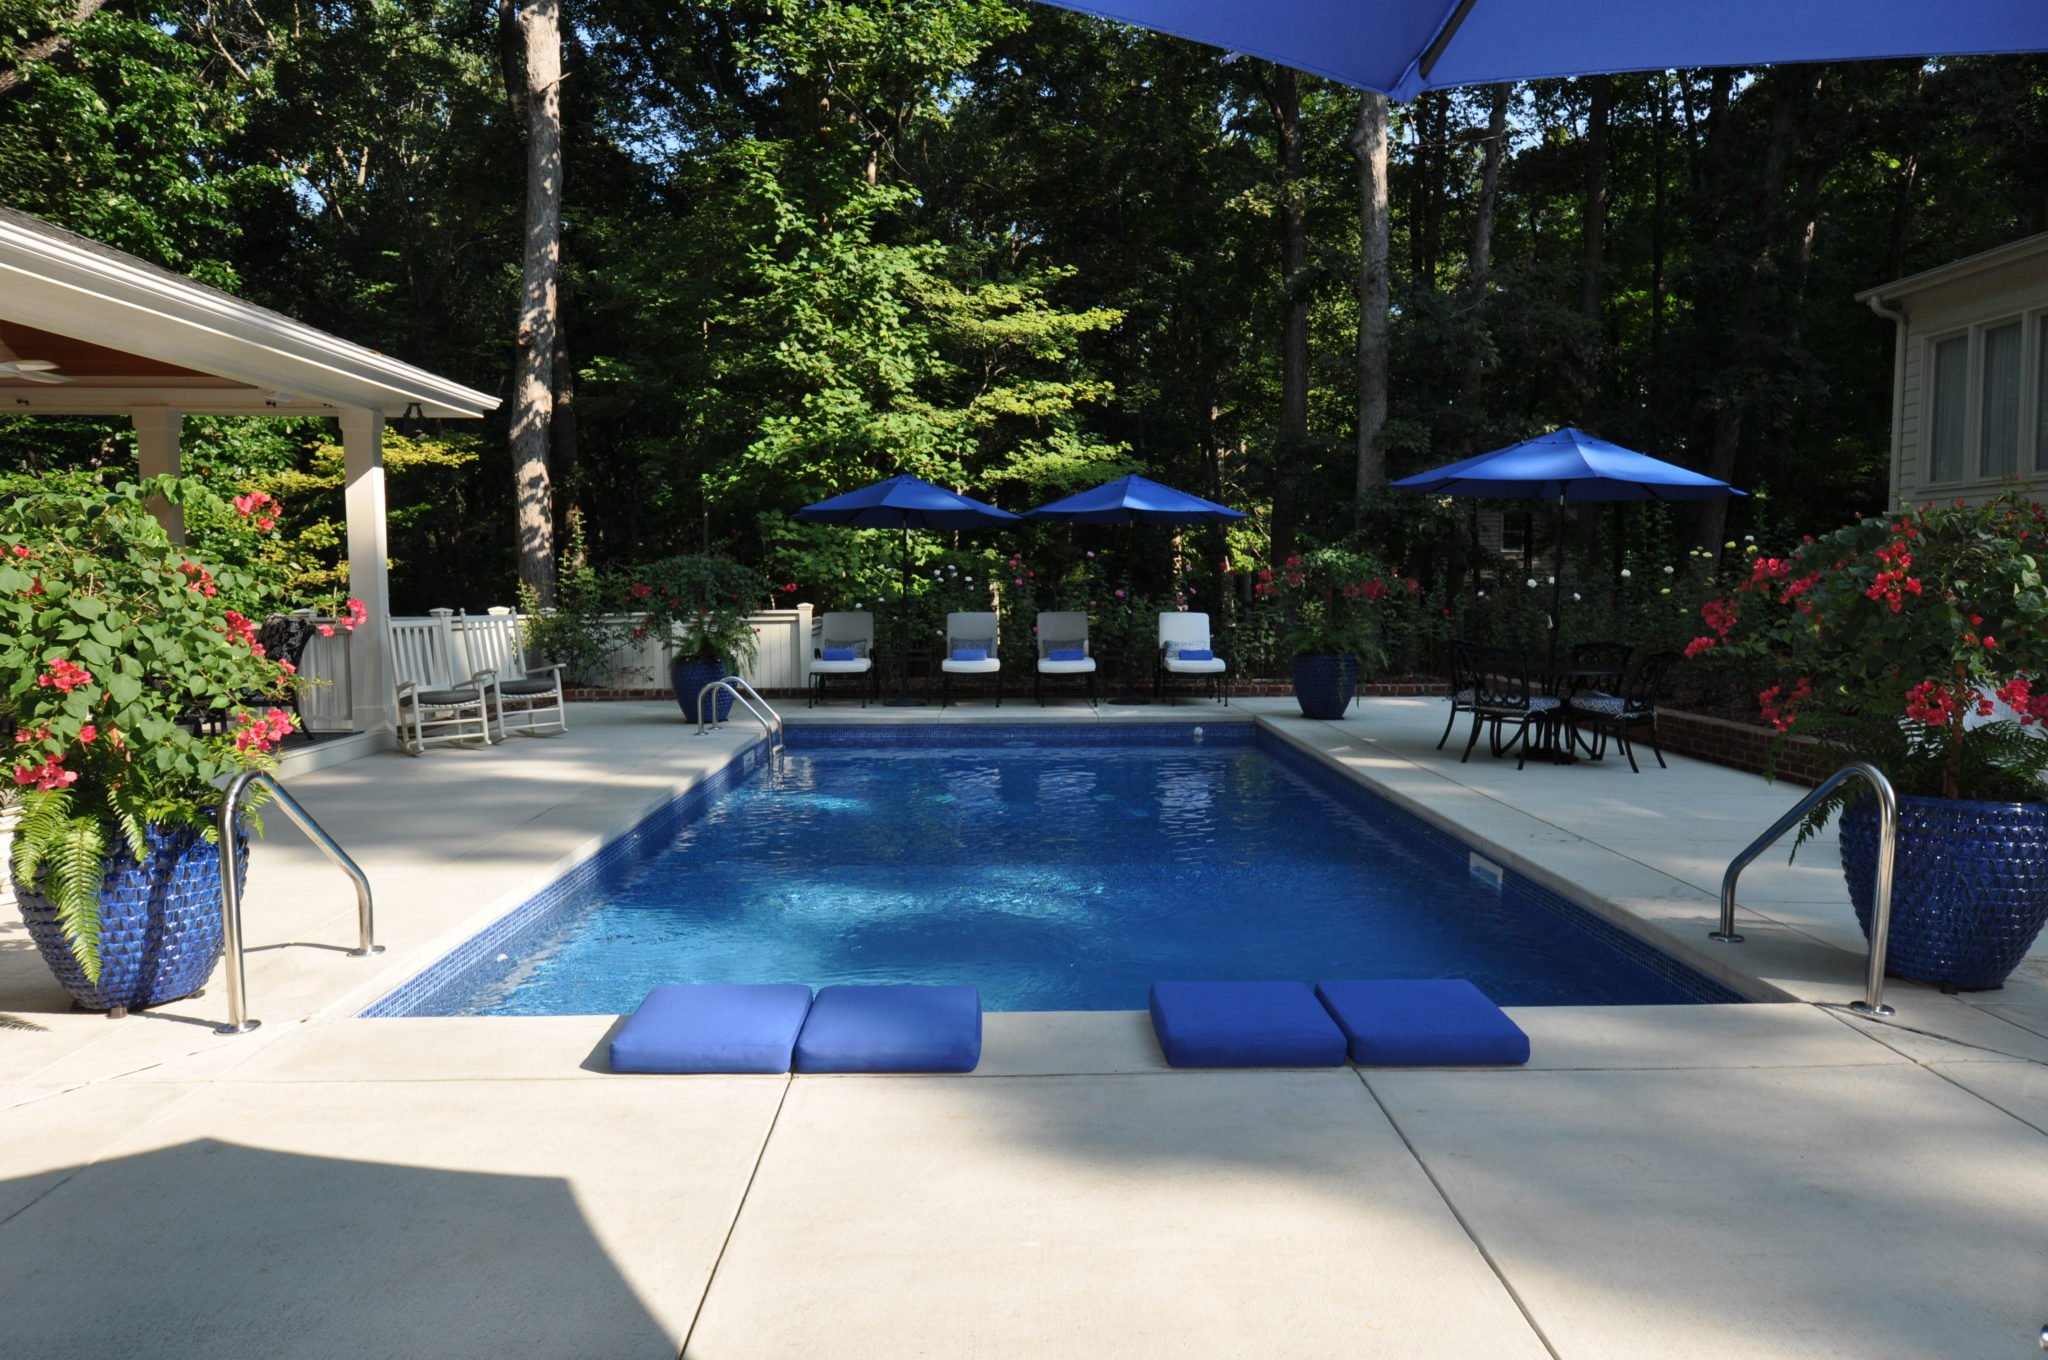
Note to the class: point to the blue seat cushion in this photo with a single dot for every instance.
(1423, 1022)
(901, 1028)
(713, 1027)
(836, 654)
(1195, 654)
(970, 653)
(1067, 654)
(1244, 1024)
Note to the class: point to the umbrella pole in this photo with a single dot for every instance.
(901, 698)
(1557, 574)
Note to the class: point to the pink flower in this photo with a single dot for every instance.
(49, 775)
(326, 630)
(249, 504)
(86, 734)
(20, 551)
(1119, 594)
(266, 524)
(1698, 645)
(64, 675)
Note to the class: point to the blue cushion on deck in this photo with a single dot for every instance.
(903, 1028)
(836, 654)
(1195, 654)
(970, 653)
(1244, 1024)
(1423, 1022)
(1067, 654)
(713, 1027)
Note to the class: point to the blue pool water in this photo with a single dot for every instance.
(1053, 877)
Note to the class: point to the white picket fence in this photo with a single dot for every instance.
(782, 659)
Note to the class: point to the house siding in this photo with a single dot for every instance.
(1963, 302)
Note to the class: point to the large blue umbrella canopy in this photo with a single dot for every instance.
(904, 502)
(1568, 465)
(1135, 500)
(1403, 47)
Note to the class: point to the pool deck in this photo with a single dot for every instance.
(1771, 1180)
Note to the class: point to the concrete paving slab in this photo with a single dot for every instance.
(438, 1048)
(1755, 1213)
(1565, 1038)
(484, 1219)
(1064, 1043)
(1203, 1214)
(2019, 1089)
(49, 1133)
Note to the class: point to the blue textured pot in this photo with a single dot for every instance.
(689, 676)
(1324, 685)
(1969, 886)
(160, 932)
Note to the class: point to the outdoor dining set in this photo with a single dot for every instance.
(1555, 710)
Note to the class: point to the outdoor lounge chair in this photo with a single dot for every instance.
(433, 709)
(1185, 655)
(528, 699)
(1063, 652)
(966, 635)
(846, 651)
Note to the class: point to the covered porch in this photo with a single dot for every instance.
(86, 330)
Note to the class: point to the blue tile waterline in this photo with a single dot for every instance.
(1056, 868)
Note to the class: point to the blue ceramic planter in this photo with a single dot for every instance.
(1324, 685)
(160, 932)
(690, 676)
(1969, 886)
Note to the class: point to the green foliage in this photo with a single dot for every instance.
(1896, 635)
(108, 639)
(583, 631)
(1336, 602)
(697, 604)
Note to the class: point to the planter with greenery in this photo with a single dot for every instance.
(111, 638)
(1918, 642)
(1332, 600)
(697, 605)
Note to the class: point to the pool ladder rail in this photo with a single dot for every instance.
(1872, 1003)
(750, 699)
(231, 892)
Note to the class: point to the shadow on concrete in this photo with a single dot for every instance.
(216, 1250)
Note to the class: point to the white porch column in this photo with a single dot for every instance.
(156, 448)
(369, 567)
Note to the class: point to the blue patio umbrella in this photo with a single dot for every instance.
(1132, 501)
(1403, 47)
(904, 502)
(1567, 465)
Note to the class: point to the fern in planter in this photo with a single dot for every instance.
(111, 638)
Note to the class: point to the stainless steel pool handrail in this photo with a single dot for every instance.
(1881, 904)
(750, 699)
(231, 891)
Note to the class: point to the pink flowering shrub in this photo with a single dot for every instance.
(1336, 602)
(1903, 635)
(111, 639)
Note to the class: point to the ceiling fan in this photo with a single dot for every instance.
(28, 370)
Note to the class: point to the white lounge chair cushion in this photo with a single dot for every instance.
(988, 667)
(1215, 665)
(1084, 666)
(858, 666)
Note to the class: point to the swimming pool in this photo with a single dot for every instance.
(1055, 869)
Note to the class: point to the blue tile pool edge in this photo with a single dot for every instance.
(1710, 980)
(537, 916)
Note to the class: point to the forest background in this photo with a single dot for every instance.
(1016, 251)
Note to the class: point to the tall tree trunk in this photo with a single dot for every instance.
(539, 303)
(1795, 93)
(1908, 179)
(47, 49)
(1660, 128)
(564, 442)
(1368, 143)
(1292, 444)
(1479, 266)
(1595, 218)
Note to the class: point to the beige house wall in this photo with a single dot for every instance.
(1965, 299)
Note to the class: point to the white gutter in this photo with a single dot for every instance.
(53, 282)
(1896, 312)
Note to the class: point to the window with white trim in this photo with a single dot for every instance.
(1985, 402)
(1998, 406)
(1949, 410)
